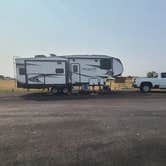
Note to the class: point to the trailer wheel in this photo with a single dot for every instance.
(54, 91)
(65, 91)
(145, 87)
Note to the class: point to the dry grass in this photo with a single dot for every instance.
(7, 85)
(10, 86)
(121, 86)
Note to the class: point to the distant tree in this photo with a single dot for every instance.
(2, 77)
(152, 74)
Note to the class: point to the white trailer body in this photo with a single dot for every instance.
(41, 72)
(88, 68)
(65, 71)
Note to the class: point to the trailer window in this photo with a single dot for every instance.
(106, 63)
(22, 71)
(75, 68)
(59, 70)
(163, 75)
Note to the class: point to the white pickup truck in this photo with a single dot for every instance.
(146, 84)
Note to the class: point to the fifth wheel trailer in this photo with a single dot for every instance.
(63, 72)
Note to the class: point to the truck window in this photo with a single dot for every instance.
(163, 75)
(22, 71)
(59, 70)
(106, 63)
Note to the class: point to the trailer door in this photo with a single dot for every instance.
(76, 78)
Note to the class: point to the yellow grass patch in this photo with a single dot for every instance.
(7, 84)
(10, 86)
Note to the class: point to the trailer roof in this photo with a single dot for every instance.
(87, 56)
(65, 57)
(44, 58)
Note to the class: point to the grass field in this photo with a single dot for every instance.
(10, 86)
(7, 85)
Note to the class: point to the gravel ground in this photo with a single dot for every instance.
(121, 129)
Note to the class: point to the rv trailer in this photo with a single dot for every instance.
(61, 73)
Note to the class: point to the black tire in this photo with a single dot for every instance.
(54, 91)
(146, 87)
(67, 91)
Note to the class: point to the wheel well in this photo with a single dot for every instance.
(146, 83)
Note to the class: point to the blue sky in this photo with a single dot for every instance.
(132, 30)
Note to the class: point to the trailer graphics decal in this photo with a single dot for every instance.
(109, 72)
(34, 79)
(89, 69)
(37, 78)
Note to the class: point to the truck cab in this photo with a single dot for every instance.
(146, 84)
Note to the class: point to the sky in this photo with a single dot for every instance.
(132, 30)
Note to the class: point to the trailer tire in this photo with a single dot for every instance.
(145, 87)
(66, 91)
(54, 91)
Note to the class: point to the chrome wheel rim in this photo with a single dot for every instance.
(146, 88)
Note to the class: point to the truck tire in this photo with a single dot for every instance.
(146, 87)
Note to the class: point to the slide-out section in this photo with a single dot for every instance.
(44, 72)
